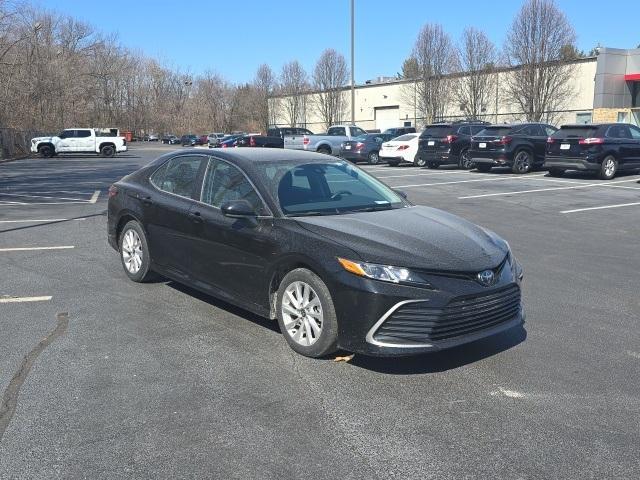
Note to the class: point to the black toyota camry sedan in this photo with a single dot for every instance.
(337, 257)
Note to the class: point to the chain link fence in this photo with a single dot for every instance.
(15, 143)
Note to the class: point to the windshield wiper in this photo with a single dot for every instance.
(376, 208)
(309, 214)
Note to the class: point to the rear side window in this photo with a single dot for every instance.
(178, 175)
(464, 131)
(530, 130)
(576, 132)
(618, 131)
(224, 182)
(83, 133)
(436, 131)
(336, 131)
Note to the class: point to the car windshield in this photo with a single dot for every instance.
(494, 132)
(405, 138)
(331, 188)
(437, 131)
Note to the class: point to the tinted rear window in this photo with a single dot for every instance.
(576, 132)
(437, 131)
(495, 132)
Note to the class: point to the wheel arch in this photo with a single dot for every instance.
(124, 218)
(104, 144)
(280, 270)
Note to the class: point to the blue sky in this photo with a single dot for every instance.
(234, 38)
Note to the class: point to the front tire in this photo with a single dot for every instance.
(46, 151)
(419, 161)
(522, 162)
(608, 168)
(556, 172)
(465, 162)
(483, 167)
(134, 253)
(306, 314)
(393, 163)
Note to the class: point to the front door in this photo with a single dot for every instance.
(232, 253)
(67, 141)
(85, 142)
(166, 212)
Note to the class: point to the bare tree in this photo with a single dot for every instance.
(537, 44)
(329, 78)
(265, 84)
(294, 87)
(434, 53)
(477, 59)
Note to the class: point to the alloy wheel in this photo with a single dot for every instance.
(465, 160)
(522, 163)
(302, 313)
(609, 167)
(374, 158)
(132, 251)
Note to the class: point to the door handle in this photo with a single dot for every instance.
(146, 200)
(196, 217)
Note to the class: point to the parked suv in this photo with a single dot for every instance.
(521, 146)
(282, 131)
(600, 148)
(447, 143)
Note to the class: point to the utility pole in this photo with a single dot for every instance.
(353, 84)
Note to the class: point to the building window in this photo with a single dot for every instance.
(623, 117)
(583, 117)
(635, 101)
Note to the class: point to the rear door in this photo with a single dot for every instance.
(166, 212)
(621, 136)
(232, 253)
(85, 141)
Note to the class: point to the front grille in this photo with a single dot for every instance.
(418, 322)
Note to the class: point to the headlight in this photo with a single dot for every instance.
(516, 269)
(385, 273)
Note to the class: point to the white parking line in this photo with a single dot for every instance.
(42, 196)
(462, 172)
(31, 249)
(588, 185)
(575, 210)
(469, 181)
(25, 299)
(45, 220)
(94, 197)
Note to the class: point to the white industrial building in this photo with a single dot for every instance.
(605, 88)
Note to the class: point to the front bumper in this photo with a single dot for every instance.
(570, 163)
(371, 321)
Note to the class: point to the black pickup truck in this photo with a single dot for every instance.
(259, 141)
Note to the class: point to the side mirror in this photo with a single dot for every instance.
(238, 209)
(401, 193)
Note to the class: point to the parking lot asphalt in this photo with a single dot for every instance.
(104, 378)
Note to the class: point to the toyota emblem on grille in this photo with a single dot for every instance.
(486, 278)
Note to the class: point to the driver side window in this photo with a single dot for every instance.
(635, 132)
(224, 182)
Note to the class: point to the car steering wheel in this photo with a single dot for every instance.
(341, 192)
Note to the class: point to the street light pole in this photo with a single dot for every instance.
(353, 85)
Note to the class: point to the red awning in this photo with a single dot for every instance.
(632, 77)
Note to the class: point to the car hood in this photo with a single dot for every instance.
(418, 237)
(42, 139)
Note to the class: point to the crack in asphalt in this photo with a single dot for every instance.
(10, 396)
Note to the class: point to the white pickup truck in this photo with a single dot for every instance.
(78, 140)
(329, 143)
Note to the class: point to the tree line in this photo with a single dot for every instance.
(56, 71)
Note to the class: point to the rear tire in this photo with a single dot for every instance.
(608, 168)
(306, 314)
(108, 151)
(373, 158)
(483, 167)
(556, 172)
(324, 150)
(393, 163)
(134, 253)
